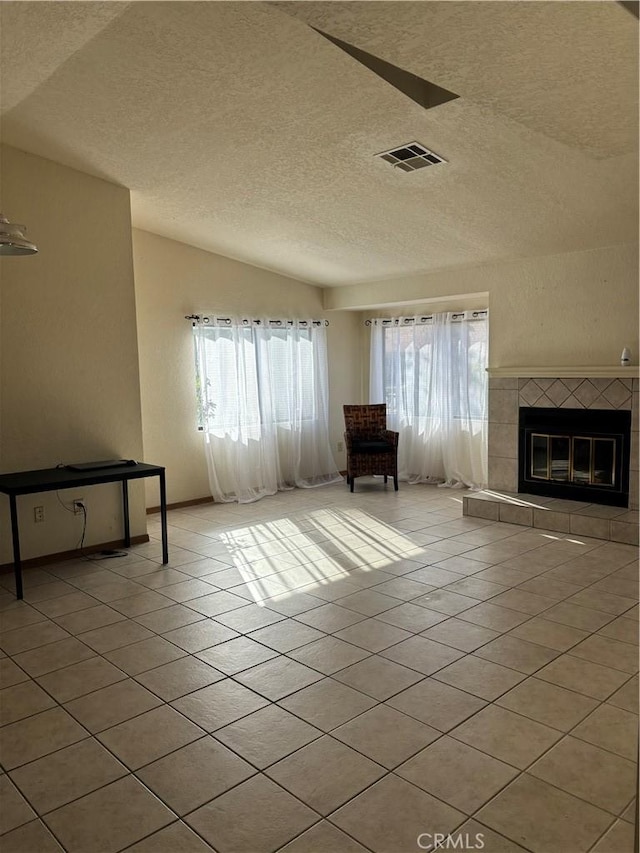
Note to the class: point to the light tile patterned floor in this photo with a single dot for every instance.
(324, 672)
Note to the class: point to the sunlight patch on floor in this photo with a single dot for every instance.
(280, 557)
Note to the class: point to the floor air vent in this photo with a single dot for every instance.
(411, 157)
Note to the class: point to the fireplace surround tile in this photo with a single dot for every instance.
(571, 403)
(503, 407)
(549, 520)
(544, 402)
(582, 393)
(558, 505)
(531, 393)
(621, 531)
(600, 382)
(615, 524)
(586, 393)
(503, 474)
(535, 500)
(601, 402)
(513, 514)
(617, 393)
(584, 525)
(558, 392)
(634, 489)
(601, 511)
(633, 463)
(629, 517)
(591, 521)
(503, 383)
(503, 440)
(484, 509)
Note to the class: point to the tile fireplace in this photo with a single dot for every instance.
(578, 469)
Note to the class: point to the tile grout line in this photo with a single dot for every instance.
(379, 702)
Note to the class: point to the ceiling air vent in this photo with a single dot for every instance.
(411, 157)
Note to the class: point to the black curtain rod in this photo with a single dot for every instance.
(409, 321)
(227, 321)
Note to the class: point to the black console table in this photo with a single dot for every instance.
(52, 479)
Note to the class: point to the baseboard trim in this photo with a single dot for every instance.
(181, 504)
(47, 559)
(151, 510)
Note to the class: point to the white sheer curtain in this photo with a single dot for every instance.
(263, 402)
(431, 374)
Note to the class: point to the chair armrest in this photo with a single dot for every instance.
(391, 436)
(348, 440)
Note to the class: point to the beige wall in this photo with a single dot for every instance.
(173, 280)
(578, 308)
(69, 380)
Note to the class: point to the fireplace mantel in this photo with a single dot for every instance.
(605, 371)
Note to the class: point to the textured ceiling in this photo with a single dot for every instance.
(241, 130)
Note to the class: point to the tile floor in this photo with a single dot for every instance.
(323, 672)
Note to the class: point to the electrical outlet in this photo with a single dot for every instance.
(38, 514)
(340, 446)
(78, 506)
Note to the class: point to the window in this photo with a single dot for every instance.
(247, 375)
(412, 362)
(286, 359)
(262, 394)
(431, 373)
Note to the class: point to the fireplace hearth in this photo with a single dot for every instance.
(575, 454)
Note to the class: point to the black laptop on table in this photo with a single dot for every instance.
(101, 463)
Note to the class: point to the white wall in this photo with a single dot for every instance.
(69, 380)
(578, 308)
(174, 280)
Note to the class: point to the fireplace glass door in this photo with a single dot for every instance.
(584, 460)
(576, 454)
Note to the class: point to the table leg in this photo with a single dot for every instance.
(125, 512)
(636, 834)
(17, 564)
(163, 518)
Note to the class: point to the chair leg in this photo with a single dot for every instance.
(385, 478)
(395, 483)
(352, 483)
